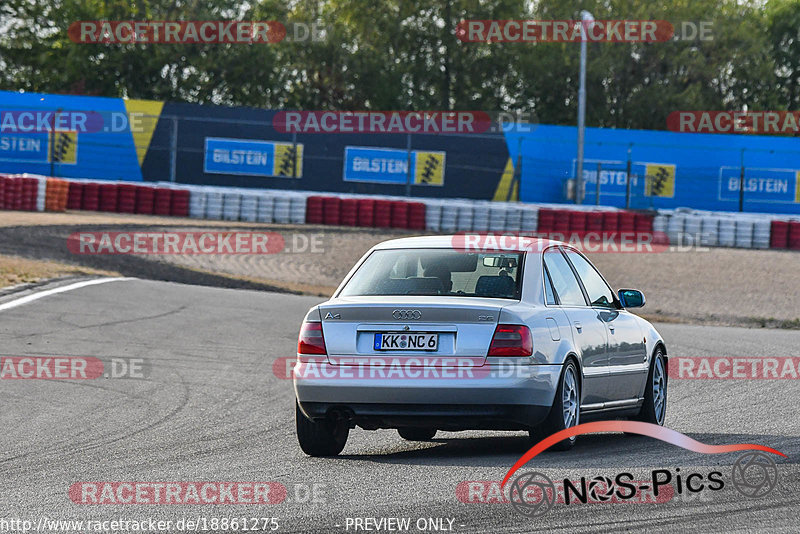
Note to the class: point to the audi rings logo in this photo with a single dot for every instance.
(532, 494)
(406, 314)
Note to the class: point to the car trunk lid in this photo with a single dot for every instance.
(464, 327)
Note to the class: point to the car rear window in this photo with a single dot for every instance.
(438, 272)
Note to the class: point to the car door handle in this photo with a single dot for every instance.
(578, 326)
(611, 327)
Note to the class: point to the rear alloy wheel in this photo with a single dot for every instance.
(417, 434)
(654, 409)
(320, 438)
(566, 410)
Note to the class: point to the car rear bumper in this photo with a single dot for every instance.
(500, 398)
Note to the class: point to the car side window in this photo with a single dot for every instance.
(550, 297)
(597, 289)
(564, 282)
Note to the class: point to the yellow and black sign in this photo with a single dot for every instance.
(286, 157)
(429, 168)
(797, 187)
(65, 147)
(660, 180)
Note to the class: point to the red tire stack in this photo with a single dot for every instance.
(162, 200)
(383, 213)
(416, 215)
(126, 198)
(577, 223)
(643, 225)
(331, 210)
(561, 222)
(794, 235)
(75, 195)
(14, 201)
(30, 189)
(627, 223)
(399, 214)
(179, 203)
(594, 222)
(366, 212)
(314, 210)
(610, 222)
(546, 222)
(3, 179)
(349, 212)
(91, 197)
(109, 193)
(779, 235)
(145, 198)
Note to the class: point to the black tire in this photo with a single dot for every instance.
(417, 434)
(652, 411)
(555, 421)
(320, 438)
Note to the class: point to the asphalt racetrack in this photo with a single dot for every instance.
(212, 409)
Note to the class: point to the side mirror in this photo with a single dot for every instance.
(631, 298)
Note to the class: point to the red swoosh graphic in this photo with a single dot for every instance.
(634, 427)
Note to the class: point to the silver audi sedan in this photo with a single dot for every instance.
(435, 333)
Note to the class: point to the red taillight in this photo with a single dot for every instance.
(310, 340)
(511, 340)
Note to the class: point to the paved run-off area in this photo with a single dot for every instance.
(715, 286)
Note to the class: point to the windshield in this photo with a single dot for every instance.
(438, 272)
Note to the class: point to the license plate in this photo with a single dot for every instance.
(406, 341)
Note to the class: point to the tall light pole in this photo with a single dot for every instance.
(586, 18)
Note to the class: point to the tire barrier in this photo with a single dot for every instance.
(779, 237)
(314, 209)
(249, 209)
(383, 213)
(366, 212)
(416, 215)
(109, 194)
(281, 210)
(331, 210)
(266, 206)
(56, 194)
(145, 200)
(399, 214)
(682, 226)
(231, 205)
(179, 205)
(761, 229)
(794, 235)
(90, 201)
(126, 198)
(75, 195)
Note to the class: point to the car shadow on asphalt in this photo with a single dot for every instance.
(597, 450)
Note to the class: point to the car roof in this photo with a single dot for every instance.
(513, 243)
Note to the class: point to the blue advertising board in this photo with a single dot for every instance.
(25, 147)
(391, 166)
(251, 157)
(762, 185)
